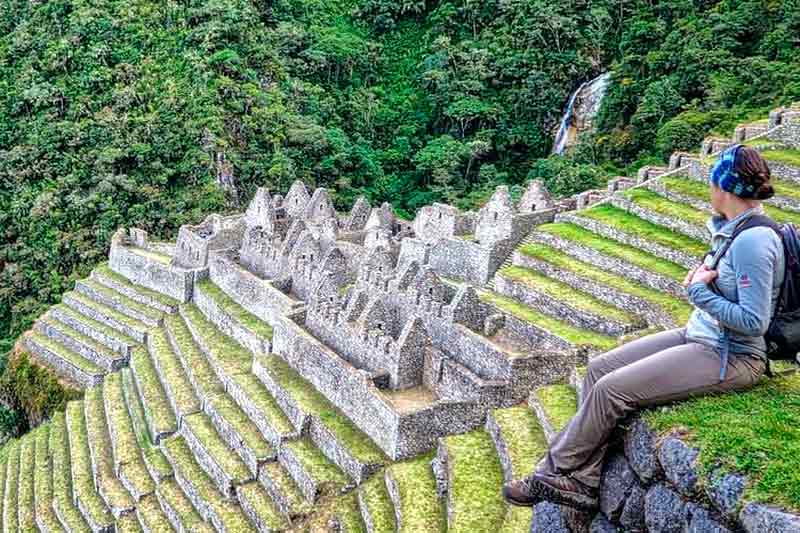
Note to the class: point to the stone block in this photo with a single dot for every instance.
(679, 463)
(615, 485)
(665, 511)
(758, 518)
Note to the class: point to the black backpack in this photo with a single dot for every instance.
(783, 334)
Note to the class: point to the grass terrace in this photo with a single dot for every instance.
(654, 202)
(475, 503)
(244, 317)
(560, 402)
(568, 332)
(420, 508)
(756, 432)
(612, 248)
(678, 309)
(782, 155)
(377, 501)
(629, 223)
(566, 294)
(523, 435)
(104, 270)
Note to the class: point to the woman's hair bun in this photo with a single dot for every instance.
(765, 191)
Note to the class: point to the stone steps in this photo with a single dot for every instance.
(201, 489)
(160, 418)
(612, 256)
(172, 376)
(10, 492)
(376, 507)
(80, 344)
(101, 446)
(129, 524)
(46, 519)
(311, 471)
(119, 302)
(232, 319)
(548, 326)
(330, 430)
(213, 454)
(261, 407)
(260, 508)
(412, 489)
(62, 360)
(64, 507)
(240, 433)
(128, 463)
(666, 310)
(104, 314)
(154, 459)
(553, 297)
(658, 210)
(179, 510)
(284, 492)
(108, 337)
(119, 283)
(223, 357)
(346, 515)
(554, 406)
(470, 475)
(86, 498)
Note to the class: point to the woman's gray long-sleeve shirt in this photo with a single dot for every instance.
(749, 277)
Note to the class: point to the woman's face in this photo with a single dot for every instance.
(717, 197)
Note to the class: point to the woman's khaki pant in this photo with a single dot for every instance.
(656, 369)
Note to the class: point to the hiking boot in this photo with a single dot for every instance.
(561, 490)
(518, 492)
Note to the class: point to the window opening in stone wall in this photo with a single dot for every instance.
(495, 215)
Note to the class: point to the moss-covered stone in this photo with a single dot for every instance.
(153, 457)
(654, 202)
(525, 442)
(193, 361)
(315, 464)
(227, 356)
(173, 497)
(151, 516)
(11, 492)
(167, 362)
(105, 271)
(62, 476)
(200, 426)
(260, 507)
(242, 425)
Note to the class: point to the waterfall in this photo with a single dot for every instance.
(581, 108)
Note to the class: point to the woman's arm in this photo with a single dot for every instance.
(755, 254)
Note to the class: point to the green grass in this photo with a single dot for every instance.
(518, 520)
(782, 216)
(62, 477)
(264, 402)
(107, 311)
(654, 202)
(560, 403)
(632, 224)
(11, 494)
(612, 248)
(76, 335)
(678, 309)
(566, 294)
(149, 254)
(27, 460)
(568, 332)
(158, 412)
(121, 299)
(95, 325)
(699, 190)
(66, 354)
(239, 313)
(475, 500)
(43, 479)
(756, 433)
(348, 514)
(763, 143)
(377, 501)
(420, 508)
(151, 515)
(243, 426)
(785, 156)
(314, 403)
(523, 436)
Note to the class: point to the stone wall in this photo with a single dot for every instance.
(654, 482)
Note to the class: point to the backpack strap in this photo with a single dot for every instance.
(750, 222)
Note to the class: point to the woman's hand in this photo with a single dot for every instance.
(689, 274)
(703, 274)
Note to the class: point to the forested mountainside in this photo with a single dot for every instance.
(128, 112)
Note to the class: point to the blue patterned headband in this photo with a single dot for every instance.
(724, 175)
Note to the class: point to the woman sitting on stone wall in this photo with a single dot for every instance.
(720, 349)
